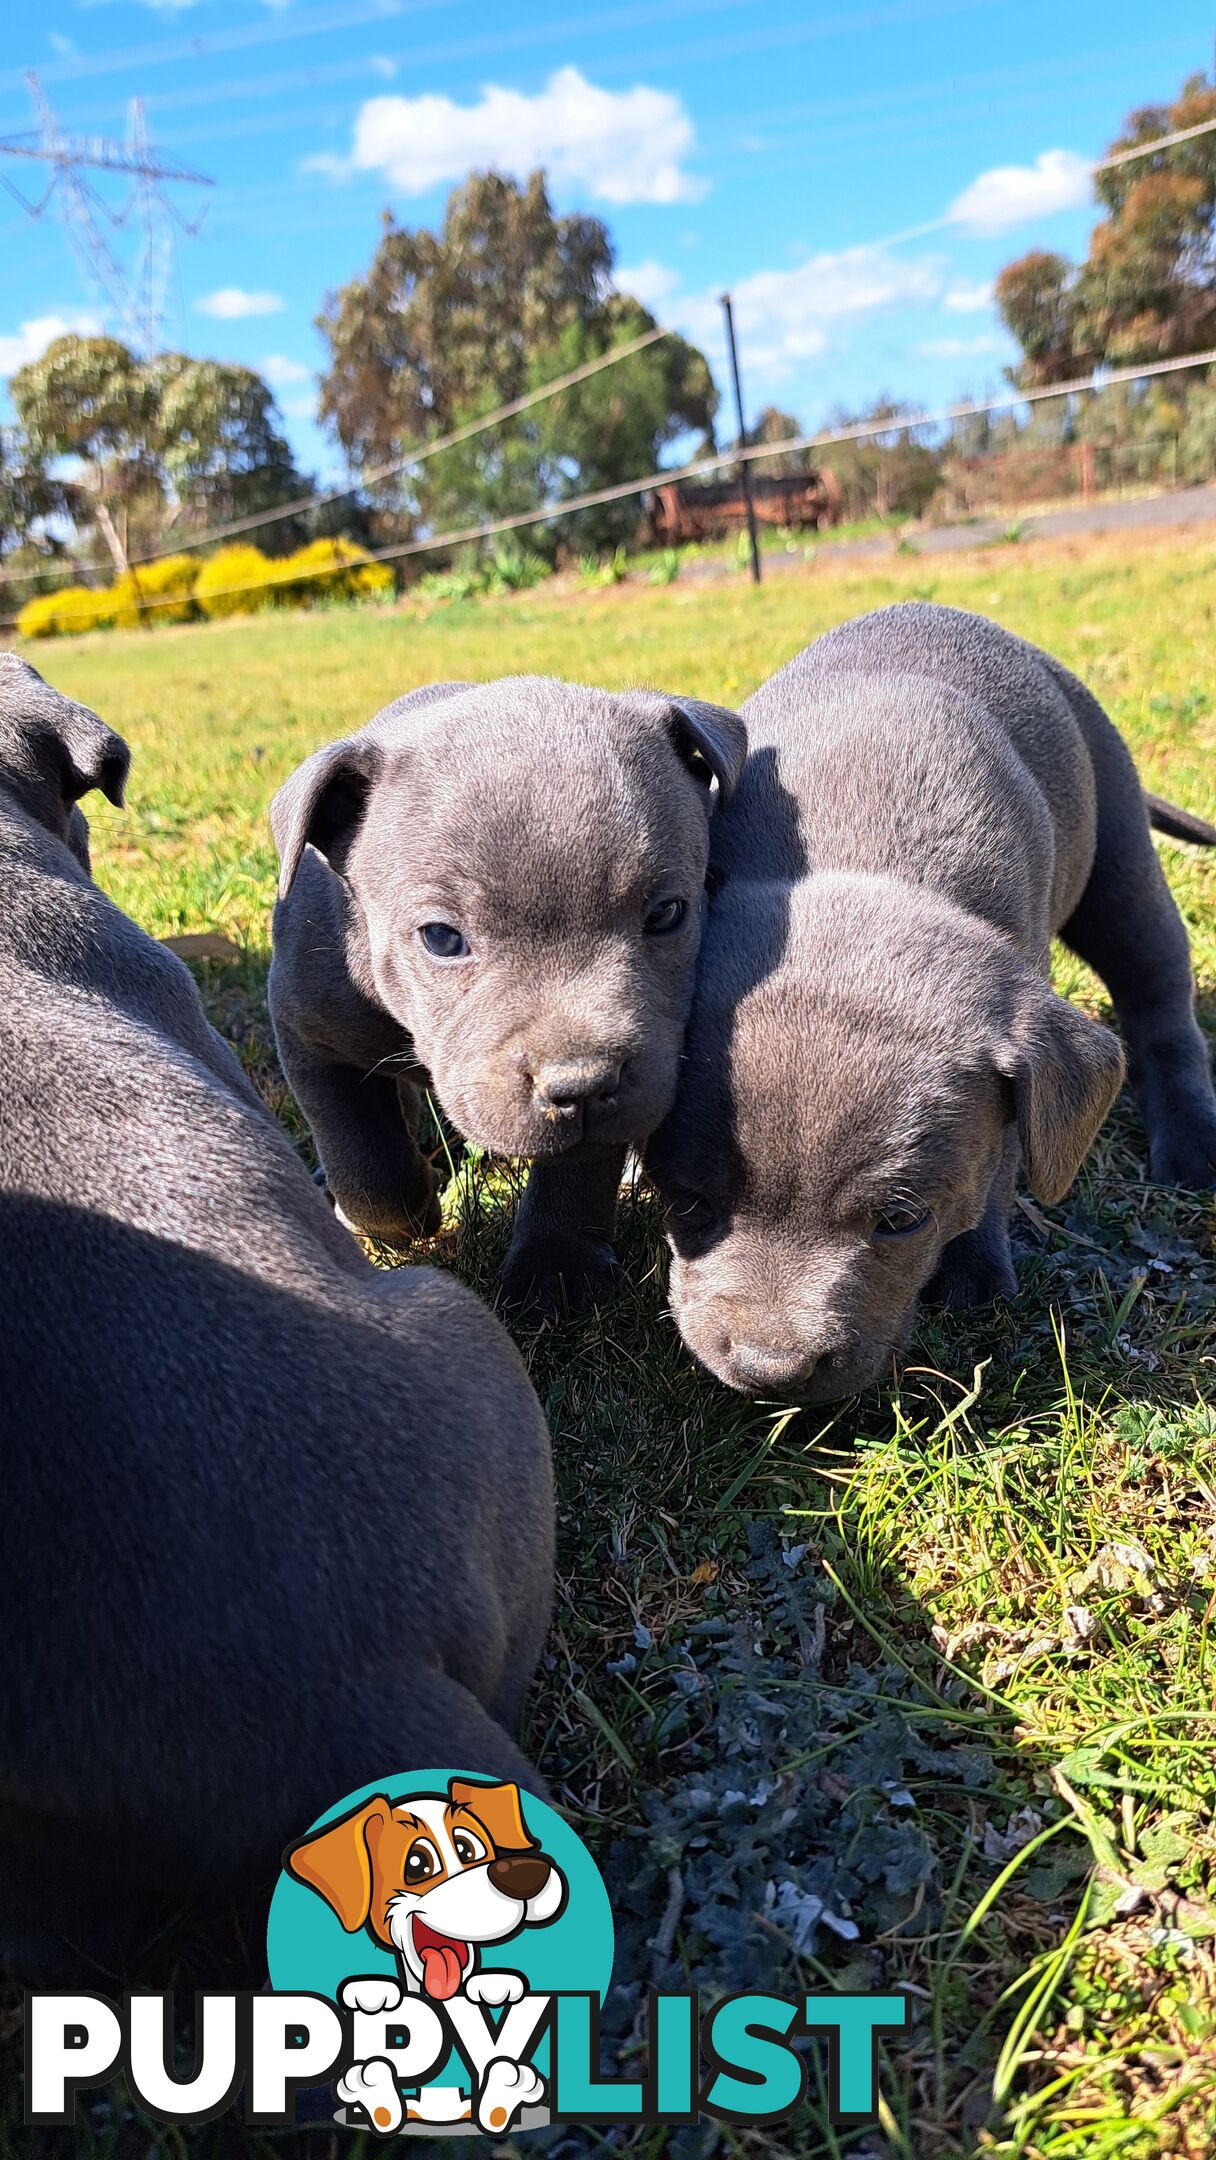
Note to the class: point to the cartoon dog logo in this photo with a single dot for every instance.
(433, 1879)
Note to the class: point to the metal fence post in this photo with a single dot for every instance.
(745, 470)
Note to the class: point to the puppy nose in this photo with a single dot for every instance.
(567, 1088)
(519, 1875)
(775, 1365)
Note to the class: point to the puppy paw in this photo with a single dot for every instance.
(557, 1279)
(372, 2087)
(506, 2088)
(373, 1995)
(495, 1988)
(1184, 1153)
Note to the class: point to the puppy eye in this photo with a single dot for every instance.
(443, 941)
(664, 917)
(468, 1849)
(421, 1862)
(900, 1222)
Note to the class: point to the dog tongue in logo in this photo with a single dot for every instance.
(443, 1960)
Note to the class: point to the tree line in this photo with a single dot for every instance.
(110, 457)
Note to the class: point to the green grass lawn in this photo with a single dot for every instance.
(919, 1695)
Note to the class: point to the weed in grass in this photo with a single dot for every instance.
(667, 569)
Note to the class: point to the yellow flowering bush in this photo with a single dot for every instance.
(237, 580)
(67, 613)
(165, 589)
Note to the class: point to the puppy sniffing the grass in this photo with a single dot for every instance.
(875, 1047)
(496, 891)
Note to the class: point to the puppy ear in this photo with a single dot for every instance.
(322, 805)
(1066, 1071)
(337, 1863)
(55, 743)
(499, 1811)
(711, 741)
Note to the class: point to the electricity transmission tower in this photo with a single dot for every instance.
(136, 297)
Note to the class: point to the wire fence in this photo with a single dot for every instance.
(664, 476)
(874, 429)
(377, 474)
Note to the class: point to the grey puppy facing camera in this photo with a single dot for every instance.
(496, 891)
(274, 1520)
(874, 1046)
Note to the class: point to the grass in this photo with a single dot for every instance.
(919, 1694)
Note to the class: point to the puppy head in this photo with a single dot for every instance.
(530, 868)
(52, 751)
(842, 1118)
(434, 1876)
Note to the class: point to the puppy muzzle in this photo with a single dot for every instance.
(557, 1107)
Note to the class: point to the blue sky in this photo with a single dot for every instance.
(856, 174)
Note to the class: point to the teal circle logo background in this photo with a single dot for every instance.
(309, 1951)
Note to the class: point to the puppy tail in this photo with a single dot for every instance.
(1166, 817)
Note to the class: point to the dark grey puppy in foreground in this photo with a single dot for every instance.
(496, 891)
(275, 1523)
(874, 1045)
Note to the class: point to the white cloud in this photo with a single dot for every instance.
(784, 316)
(957, 348)
(282, 372)
(61, 46)
(622, 146)
(29, 342)
(650, 282)
(299, 408)
(230, 304)
(968, 299)
(1058, 180)
(382, 66)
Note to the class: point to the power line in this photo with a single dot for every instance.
(1095, 165)
(552, 513)
(377, 473)
(1163, 142)
(422, 452)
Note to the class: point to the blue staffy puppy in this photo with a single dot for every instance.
(495, 890)
(875, 1046)
(274, 1521)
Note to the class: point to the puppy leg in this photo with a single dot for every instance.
(364, 1125)
(977, 1267)
(560, 1259)
(1129, 931)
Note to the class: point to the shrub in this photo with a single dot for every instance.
(517, 570)
(333, 570)
(239, 581)
(595, 570)
(235, 581)
(37, 617)
(452, 585)
(170, 583)
(67, 613)
(1197, 441)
